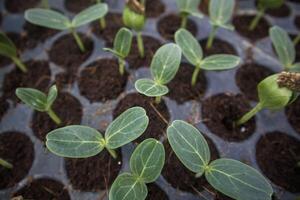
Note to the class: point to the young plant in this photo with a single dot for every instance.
(5, 164)
(187, 8)
(102, 19)
(39, 101)
(82, 141)
(146, 164)
(192, 50)
(55, 20)
(122, 46)
(230, 177)
(164, 66)
(8, 49)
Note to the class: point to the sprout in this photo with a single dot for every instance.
(146, 164)
(122, 46)
(231, 177)
(192, 50)
(8, 49)
(164, 67)
(81, 141)
(39, 101)
(55, 20)
(186, 8)
(5, 164)
(102, 19)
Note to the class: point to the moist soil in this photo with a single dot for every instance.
(67, 108)
(154, 8)
(293, 115)
(283, 11)
(277, 155)
(168, 25)
(181, 89)
(16, 6)
(4, 61)
(17, 149)
(204, 6)
(102, 81)
(220, 113)
(218, 47)
(65, 79)
(156, 193)
(158, 115)
(78, 5)
(4, 106)
(297, 21)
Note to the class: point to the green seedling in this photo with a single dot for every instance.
(122, 46)
(102, 20)
(39, 101)
(193, 52)
(164, 66)
(5, 164)
(230, 177)
(82, 141)
(8, 49)
(146, 164)
(55, 20)
(188, 8)
(262, 6)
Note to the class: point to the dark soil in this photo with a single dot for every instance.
(220, 112)
(102, 81)
(154, 8)
(150, 46)
(168, 25)
(203, 7)
(249, 76)
(94, 173)
(4, 106)
(17, 149)
(65, 79)
(181, 89)
(4, 61)
(67, 107)
(297, 21)
(16, 6)
(293, 114)
(242, 23)
(283, 11)
(277, 155)
(78, 5)
(43, 188)
(218, 47)
(156, 193)
(294, 1)
(157, 126)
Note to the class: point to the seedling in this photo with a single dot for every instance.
(297, 39)
(164, 66)
(193, 52)
(5, 164)
(220, 13)
(122, 46)
(8, 49)
(187, 8)
(82, 141)
(146, 164)
(55, 20)
(39, 101)
(231, 177)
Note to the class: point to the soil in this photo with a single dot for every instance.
(203, 7)
(154, 8)
(157, 126)
(294, 1)
(4, 61)
(220, 112)
(67, 107)
(17, 6)
(65, 79)
(94, 173)
(249, 76)
(218, 47)
(181, 89)
(242, 22)
(43, 188)
(102, 81)
(293, 114)
(17, 149)
(78, 5)
(297, 21)
(150, 46)
(283, 11)
(156, 193)
(281, 168)
(4, 106)
(168, 25)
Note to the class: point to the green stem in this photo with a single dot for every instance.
(53, 116)
(184, 18)
(78, 40)
(211, 37)
(45, 4)
(102, 23)
(140, 44)
(112, 152)
(5, 164)
(256, 19)
(195, 75)
(121, 66)
(297, 40)
(250, 114)
(158, 100)
(19, 64)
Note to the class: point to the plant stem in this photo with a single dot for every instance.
(78, 40)
(121, 66)
(53, 116)
(5, 164)
(184, 18)
(250, 114)
(297, 39)
(158, 100)
(211, 37)
(256, 19)
(112, 152)
(19, 64)
(195, 75)
(45, 4)
(140, 44)
(102, 23)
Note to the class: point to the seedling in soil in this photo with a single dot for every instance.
(8, 49)
(192, 50)
(187, 8)
(39, 101)
(82, 141)
(5, 164)
(55, 20)
(122, 46)
(164, 66)
(146, 164)
(230, 177)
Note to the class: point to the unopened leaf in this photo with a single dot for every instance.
(220, 11)
(122, 42)
(220, 62)
(52, 94)
(33, 98)
(149, 88)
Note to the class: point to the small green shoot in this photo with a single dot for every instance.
(102, 20)
(187, 8)
(5, 164)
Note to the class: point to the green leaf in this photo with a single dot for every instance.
(149, 88)
(47, 18)
(127, 187)
(189, 146)
(122, 42)
(190, 47)
(283, 45)
(90, 14)
(238, 181)
(75, 141)
(266, 4)
(133, 19)
(147, 160)
(220, 11)
(7, 47)
(33, 98)
(295, 68)
(189, 7)
(165, 63)
(52, 95)
(220, 62)
(127, 127)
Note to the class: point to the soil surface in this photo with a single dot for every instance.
(4, 106)
(218, 47)
(154, 8)
(281, 167)
(157, 126)
(78, 5)
(65, 79)
(283, 11)
(16, 6)
(297, 21)
(156, 193)
(293, 114)
(17, 149)
(204, 6)
(220, 113)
